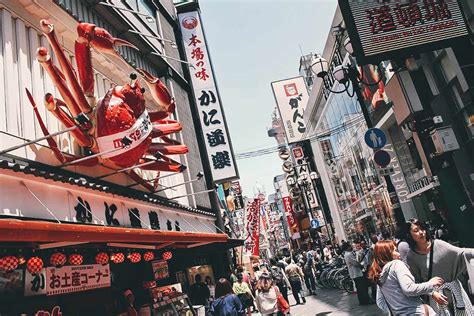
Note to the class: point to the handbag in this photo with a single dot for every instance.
(282, 304)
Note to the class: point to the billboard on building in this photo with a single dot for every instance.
(252, 241)
(291, 97)
(380, 30)
(209, 108)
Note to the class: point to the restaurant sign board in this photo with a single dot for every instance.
(380, 30)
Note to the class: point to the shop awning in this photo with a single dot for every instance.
(41, 232)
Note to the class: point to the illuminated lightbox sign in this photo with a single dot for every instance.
(380, 30)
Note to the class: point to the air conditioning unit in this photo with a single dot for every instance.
(444, 139)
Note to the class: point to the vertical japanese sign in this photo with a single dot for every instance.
(252, 211)
(70, 279)
(288, 207)
(291, 98)
(383, 29)
(210, 110)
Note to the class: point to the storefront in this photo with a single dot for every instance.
(72, 242)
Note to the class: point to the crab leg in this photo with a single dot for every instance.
(66, 67)
(51, 142)
(162, 166)
(84, 68)
(141, 181)
(54, 106)
(159, 92)
(158, 115)
(165, 128)
(167, 149)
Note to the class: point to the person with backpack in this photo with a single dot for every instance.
(279, 278)
(295, 275)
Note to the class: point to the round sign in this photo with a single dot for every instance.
(284, 154)
(314, 223)
(287, 166)
(375, 138)
(382, 158)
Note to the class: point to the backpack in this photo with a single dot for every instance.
(277, 275)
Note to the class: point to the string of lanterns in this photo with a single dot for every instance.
(35, 263)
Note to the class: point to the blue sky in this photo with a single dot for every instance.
(253, 43)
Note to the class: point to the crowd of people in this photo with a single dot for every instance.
(410, 274)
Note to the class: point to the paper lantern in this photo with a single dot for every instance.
(149, 284)
(117, 257)
(102, 258)
(148, 256)
(57, 259)
(76, 259)
(34, 265)
(9, 263)
(135, 257)
(167, 255)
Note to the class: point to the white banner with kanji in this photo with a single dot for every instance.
(209, 107)
(70, 279)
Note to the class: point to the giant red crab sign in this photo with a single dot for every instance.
(117, 129)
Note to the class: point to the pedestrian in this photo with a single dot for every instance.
(279, 278)
(308, 271)
(226, 302)
(365, 257)
(266, 297)
(199, 292)
(211, 286)
(428, 257)
(397, 291)
(244, 293)
(402, 245)
(130, 303)
(327, 254)
(295, 275)
(356, 274)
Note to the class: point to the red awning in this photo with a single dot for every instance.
(13, 230)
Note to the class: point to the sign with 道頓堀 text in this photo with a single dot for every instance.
(380, 30)
(211, 115)
(291, 97)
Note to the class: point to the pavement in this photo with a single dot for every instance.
(332, 303)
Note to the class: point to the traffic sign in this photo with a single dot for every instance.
(382, 158)
(375, 138)
(314, 223)
(287, 166)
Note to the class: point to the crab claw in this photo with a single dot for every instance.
(100, 39)
(159, 91)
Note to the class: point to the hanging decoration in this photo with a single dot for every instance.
(34, 265)
(76, 259)
(57, 259)
(117, 257)
(102, 258)
(135, 257)
(9, 263)
(148, 256)
(167, 255)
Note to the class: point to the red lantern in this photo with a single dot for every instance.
(57, 259)
(167, 255)
(117, 257)
(149, 284)
(102, 258)
(9, 263)
(135, 257)
(148, 256)
(34, 265)
(76, 259)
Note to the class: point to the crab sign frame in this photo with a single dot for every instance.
(117, 129)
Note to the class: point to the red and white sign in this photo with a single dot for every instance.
(252, 242)
(290, 215)
(387, 27)
(291, 97)
(70, 279)
(297, 152)
(209, 107)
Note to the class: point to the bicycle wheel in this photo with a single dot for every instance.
(348, 285)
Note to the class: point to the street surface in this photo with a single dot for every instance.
(333, 303)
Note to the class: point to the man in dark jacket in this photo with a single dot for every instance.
(199, 292)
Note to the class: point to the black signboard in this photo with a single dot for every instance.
(382, 30)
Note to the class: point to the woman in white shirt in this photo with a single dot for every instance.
(266, 297)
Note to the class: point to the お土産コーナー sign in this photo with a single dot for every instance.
(380, 30)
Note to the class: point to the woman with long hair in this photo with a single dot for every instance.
(266, 297)
(397, 291)
(226, 302)
(243, 292)
(429, 257)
